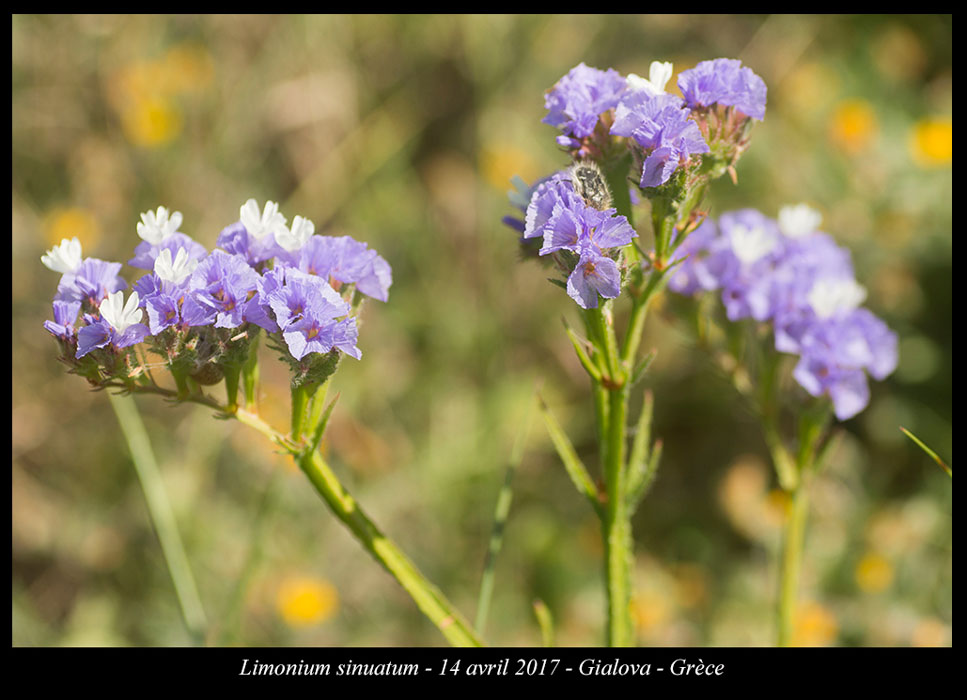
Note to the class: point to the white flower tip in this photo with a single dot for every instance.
(175, 271)
(751, 244)
(156, 226)
(796, 221)
(121, 316)
(292, 239)
(659, 73)
(259, 224)
(831, 297)
(65, 257)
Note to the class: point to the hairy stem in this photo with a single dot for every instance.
(427, 597)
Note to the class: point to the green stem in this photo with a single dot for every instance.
(160, 512)
(231, 385)
(317, 407)
(428, 597)
(300, 402)
(250, 373)
(616, 525)
(791, 563)
(636, 323)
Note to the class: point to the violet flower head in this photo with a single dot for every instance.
(579, 98)
(727, 82)
(835, 353)
(795, 276)
(565, 222)
(307, 309)
(65, 316)
(659, 124)
(343, 260)
(224, 290)
(93, 280)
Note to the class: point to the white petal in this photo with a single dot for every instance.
(751, 244)
(831, 297)
(65, 257)
(799, 220)
(659, 74)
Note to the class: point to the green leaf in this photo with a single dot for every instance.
(642, 367)
(642, 462)
(589, 367)
(321, 427)
(572, 463)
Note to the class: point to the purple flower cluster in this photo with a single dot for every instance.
(790, 274)
(727, 82)
(285, 281)
(591, 106)
(660, 125)
(578, 99)
(565, 222)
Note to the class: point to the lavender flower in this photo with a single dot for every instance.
(223, 291)
(306, 309)
(836, 351)
(579, 98)
(92, 281)
(65, 315)
(791, 274)
(660, 126)
(726, 82)
(344, 260)
(565, 222)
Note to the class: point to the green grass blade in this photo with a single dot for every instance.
(545, 621)
(930, 452)
(160, 512)
(502, 510)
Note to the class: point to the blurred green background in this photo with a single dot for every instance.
(403, 131)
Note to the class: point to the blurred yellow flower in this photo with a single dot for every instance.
(151, 121)
(873, 573)
(815, 626)
(500, 163)
(932, 142)
(69, 222)
(853, 125)
(143, 93)
(304, 601)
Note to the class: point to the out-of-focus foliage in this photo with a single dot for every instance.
(404, 132)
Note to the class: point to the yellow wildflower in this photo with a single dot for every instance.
(304, 601)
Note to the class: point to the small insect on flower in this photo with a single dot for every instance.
(590, 185)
